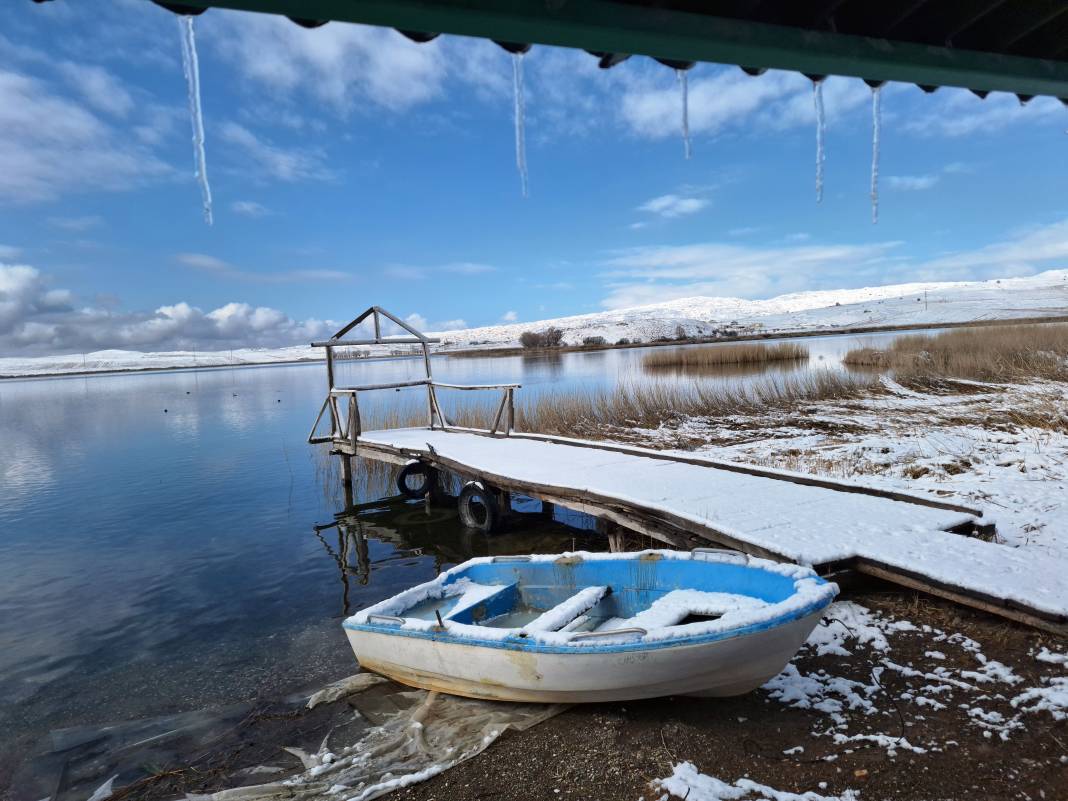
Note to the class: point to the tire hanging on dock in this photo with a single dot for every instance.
(417, 479)
(478, 508)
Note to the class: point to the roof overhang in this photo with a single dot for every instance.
(1016, 46)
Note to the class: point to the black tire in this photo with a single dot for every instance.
(416, 480)
(478, 508)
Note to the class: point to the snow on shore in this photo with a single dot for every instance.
(1042, 295)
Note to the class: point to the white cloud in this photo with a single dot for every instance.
(957, 112)
(102, 90)
(343, 65)
(912, 183)
(51, 145)
(509, 317)
(405, 272)
(654, 274)
(417, 321)
(468, 268)
(730, 99)
(36, 318)
(450, 325)
(648, 275)
(9, 252)
(268, 160)
(75, 224)
(249, 208)
(224, 269)
(671, 205)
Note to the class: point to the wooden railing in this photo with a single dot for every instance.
(346, 425)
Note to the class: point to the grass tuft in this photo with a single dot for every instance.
(724, 355)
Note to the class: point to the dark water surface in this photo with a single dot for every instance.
(158, 550)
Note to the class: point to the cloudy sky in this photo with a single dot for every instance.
(349, 167)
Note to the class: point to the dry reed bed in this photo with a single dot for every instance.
(996, 354)
(725, 355)
(597, 413)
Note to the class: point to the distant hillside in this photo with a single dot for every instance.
(1040, 295)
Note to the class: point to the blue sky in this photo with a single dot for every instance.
(349, 167)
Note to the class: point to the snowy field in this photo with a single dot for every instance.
(1005, 448)
(1041, 295)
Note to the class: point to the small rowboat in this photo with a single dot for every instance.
(582, 627)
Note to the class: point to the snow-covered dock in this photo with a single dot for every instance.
(685, 501)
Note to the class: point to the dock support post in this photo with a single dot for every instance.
(614, 532)
(547, 510)
(346, 479)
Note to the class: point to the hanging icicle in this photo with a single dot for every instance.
(520, 120)
(684, 91)
(817, 100)
(191, 68)
(876, 115)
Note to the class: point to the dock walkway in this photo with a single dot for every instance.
(688, 501)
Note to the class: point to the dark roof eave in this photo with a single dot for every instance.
(669, 34)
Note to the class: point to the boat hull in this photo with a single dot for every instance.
(722, 667)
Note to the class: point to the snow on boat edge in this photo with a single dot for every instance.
(586, 627)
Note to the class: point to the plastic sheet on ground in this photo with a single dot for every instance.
(357, 738)
(414, 735)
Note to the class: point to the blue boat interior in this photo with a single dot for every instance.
(516, 592)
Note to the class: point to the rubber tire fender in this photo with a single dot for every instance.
(412, 469)
(488, 499)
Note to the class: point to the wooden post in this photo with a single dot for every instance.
(346, 479)
(547, 510)
(429, 386)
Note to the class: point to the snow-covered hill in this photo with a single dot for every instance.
(1045, 294)
(933, 303)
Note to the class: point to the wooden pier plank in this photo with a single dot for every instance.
(687, 502)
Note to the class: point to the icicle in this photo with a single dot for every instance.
(876, 113)
(520, 120)
(817, 100)
(684, 90)
(191, 69)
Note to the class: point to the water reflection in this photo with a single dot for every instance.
(394, 531)
(154, 530)
(726, 370)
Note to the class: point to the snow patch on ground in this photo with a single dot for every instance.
(687, 782)
(988, 692)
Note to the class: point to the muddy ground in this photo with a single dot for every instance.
(614, 751)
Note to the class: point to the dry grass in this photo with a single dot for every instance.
(599, 412)
(997, 354)
(724, 355)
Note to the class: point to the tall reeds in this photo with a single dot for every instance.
(599, 411)
(650, 405)
(710, 357)
(996, 354)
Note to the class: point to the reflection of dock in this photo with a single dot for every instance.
(912, 540)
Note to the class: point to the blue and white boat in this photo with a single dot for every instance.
(581, 627)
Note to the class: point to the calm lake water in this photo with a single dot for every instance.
(158, 549)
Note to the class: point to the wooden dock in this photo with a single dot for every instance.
(688, 501)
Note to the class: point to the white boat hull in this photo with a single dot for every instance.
(722, 667)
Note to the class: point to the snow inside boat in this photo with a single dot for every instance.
(583, 627)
